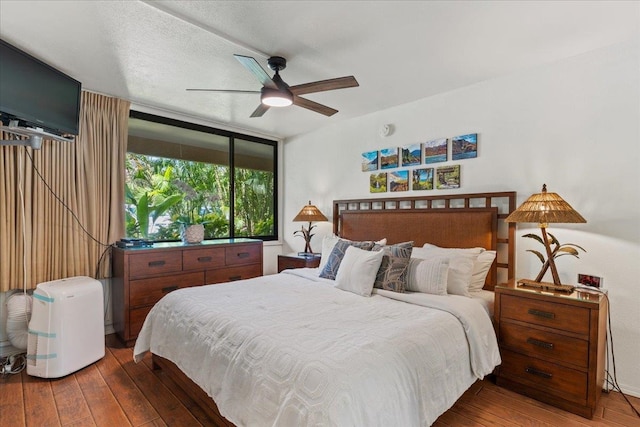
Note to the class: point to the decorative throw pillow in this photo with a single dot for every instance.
(481, 265)
(392, 273)
(460, 266)
(330, 269)
(428, 276)
(358, 271)
(328, 242)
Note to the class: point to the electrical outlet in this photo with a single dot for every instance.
(589, 280)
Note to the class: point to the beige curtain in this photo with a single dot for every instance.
(62, 206)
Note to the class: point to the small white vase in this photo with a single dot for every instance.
(193, 233)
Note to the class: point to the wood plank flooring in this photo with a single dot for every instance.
(117, 392)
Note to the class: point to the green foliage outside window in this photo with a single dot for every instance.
(164, 194)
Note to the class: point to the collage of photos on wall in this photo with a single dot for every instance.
(387, 165)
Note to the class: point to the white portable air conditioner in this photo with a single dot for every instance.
(66, 331)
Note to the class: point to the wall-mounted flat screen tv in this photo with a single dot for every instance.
(36, 94)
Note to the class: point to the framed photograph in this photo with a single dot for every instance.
(370, 161)
(399, 181)
(464, 146)
(389, 158)
(448, 177)
(435, 151)
(411, 155)
(422, 179)
(378, 183)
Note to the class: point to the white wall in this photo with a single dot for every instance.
(573, 125)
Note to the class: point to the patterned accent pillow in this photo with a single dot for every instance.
(330, 269)
(392, 273)
(428, 276)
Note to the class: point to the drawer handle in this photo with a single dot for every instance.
(169, 289)
(156, 263)
(204, 259)
(534, 371)
(539, 343)
(243, 254)
(540, 313)
(234, 278)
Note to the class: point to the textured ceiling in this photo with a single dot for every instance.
(150, 52)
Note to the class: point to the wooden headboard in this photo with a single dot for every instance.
(451, 221)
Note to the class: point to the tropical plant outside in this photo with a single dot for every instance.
(162, 195)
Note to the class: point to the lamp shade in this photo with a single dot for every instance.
(544, 208)
(310, 213)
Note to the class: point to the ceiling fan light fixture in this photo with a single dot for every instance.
(275, 97)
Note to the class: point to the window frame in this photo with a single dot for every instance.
(232, 136)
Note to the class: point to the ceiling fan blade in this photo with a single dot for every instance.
(252, 65)
(313, 106)
(258, 112)
(324, 85)
(224, 90)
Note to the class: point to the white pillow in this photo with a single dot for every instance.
(428, 276)
(470, 251)
(481, 268)
(328, 242)
(460, 266)
(358, 270)
(481, 265)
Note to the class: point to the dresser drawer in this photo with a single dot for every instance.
(231, 274)
(243, 254)
(202, 259)
(560, 316)
(543, 344)
(149, 291)
(154, 263)
(556, 380)
(136, 319)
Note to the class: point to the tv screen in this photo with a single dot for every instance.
(37, 94)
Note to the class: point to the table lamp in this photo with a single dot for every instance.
(308, 213)
(544, 208)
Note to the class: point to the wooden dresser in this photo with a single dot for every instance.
(552, 345)
(141, 276)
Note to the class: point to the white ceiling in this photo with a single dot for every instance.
(149, 52)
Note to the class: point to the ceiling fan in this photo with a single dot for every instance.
(276, 93)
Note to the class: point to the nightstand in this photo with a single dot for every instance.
(297, 261)
(552, 345)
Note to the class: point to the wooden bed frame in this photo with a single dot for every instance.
(455, 221)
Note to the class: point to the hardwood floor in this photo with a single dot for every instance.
(117, 392)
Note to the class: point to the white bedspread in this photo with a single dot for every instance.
(288, 350)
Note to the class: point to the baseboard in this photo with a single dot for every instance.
(630, 390)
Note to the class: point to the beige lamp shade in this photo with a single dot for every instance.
(545, 208)
(310, 213)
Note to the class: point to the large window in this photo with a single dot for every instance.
(180, 173)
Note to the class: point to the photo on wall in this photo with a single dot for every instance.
(399, 181)
(448, 177)
(389, 158)
(411, 155)
(435, 151)
(369, 161)
(422, 179)
(378, 183)
(464, 146)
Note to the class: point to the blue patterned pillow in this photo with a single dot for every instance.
(392, 273)
(330, 269)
